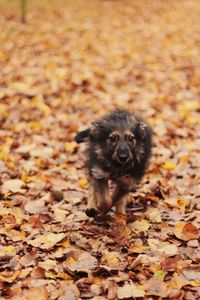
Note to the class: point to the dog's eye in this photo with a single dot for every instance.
(130, 138)
(113, 138)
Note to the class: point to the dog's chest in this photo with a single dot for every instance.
(112, 174)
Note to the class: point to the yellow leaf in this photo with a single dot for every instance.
(142, 225)
(70, 146)
(41, 105)
(6, 194)
(35, 125)
(70, 260)
(65, 244)
(154, 215)
(83, 182)
(10, 164)
(180, 203)
(64, 165)
(178, 281)
(50, 275)
(7, 251)
(3, 110)
(24, 176)
(169, 165)
(137, 247)
(64, 276)
(184, 159)
(4, 155)
(186, 231)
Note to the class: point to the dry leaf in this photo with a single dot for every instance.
(186, 231)
(14, 186)
(154, 215)
(83, 182)
(113, 259)
(80, 261)
(36, 206)
(142, 225)
(130, 290)
(39, 293)
(8, 276)
(47, 241)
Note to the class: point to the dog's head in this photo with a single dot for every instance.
(119, 137)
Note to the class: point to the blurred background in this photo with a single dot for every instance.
(65, 63)
(62, 65)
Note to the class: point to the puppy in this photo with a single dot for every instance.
(119, 148)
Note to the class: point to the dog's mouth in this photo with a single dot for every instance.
(123, 159)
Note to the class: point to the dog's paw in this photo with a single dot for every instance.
(91, 212)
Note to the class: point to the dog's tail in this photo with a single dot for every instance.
(82, 136)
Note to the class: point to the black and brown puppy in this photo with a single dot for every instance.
(119, 148)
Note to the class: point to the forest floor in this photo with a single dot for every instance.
(72, 62)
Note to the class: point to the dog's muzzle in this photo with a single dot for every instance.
(123, 155)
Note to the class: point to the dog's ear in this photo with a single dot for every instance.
(83, 136)
(99, 131)
(141, 130)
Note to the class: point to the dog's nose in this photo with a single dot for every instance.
(123, 155)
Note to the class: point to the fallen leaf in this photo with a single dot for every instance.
(71, 293)
(154, 215)
(138, 226)
(83, 182)
(169, 165)
(14, 186)
(167, 248)
(191, 275)
(160, 274)
(114, 260)
(39, 293)
(156, 287)
(170, 263)
(80, 261)
(130, 290)
(186, 231)
(7, 252)
(69, 147)
(36, 206)
(9, 276)
(47, 240)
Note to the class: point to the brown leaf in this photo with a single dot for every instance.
(130, 290)
(114, 260)
(186, 231)
(39, 293)
(36, 206)
(8, 276)
(47, 240)
(13, 185)
(192, 274)
(80, 261)
(170, 263)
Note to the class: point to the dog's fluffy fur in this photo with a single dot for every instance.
(119, 148)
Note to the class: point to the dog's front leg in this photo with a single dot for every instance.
(121, 205)
(119, 198)
(120, 195)
(99, 197)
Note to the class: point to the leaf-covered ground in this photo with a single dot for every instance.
(72, 62)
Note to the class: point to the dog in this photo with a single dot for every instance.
(119, 149)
